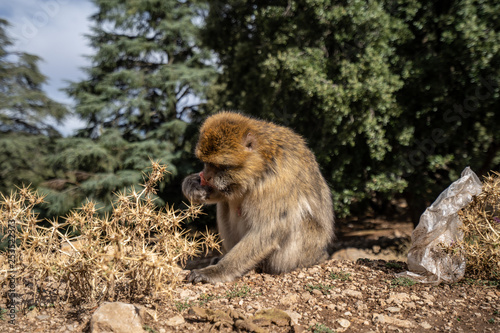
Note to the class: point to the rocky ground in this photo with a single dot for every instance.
(340, 295)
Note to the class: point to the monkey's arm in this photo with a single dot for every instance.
(253, 248)
(197, 193)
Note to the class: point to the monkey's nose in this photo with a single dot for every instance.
(203, 181)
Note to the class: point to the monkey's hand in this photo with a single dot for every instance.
(210, 274)
(197, 193)
(254, 247)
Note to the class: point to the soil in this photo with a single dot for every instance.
(340, 295)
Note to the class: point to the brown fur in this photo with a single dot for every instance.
(274, 208)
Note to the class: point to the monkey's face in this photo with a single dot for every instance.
(230, 149)
(218, 177)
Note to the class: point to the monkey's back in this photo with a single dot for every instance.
(274, 208)
(292, 194)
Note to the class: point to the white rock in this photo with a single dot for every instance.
(398, 322)
(378, 318)
(361, 306)
(353, 293)
(117, 317)
(187, 294)
(289, 300)
(175, 321)
(425, 325)
(294, 316)
(398, 298)
(393, 309)
(344, 322)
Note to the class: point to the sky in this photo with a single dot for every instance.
(53, 30)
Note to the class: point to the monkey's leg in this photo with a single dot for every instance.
(252, 249)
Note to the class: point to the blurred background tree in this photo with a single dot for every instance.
(451, 96)
(149, 72)
(27, 118)
(141, 99)
(330, 70)
(369, 85)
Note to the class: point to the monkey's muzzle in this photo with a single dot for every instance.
(203, 181)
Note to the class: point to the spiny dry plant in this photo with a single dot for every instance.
(132, 253)
(481, 228)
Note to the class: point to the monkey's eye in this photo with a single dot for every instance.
(219, 167)
(211, 166)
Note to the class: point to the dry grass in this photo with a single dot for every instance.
(481, 228)
(131, 254)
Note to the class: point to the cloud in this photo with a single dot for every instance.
(53, 30)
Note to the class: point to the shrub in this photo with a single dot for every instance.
(133, 252)
(481, 228)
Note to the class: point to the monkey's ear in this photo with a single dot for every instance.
(249, 142)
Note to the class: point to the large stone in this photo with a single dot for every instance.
(352, 293)
(275, 316)
(117, 317)
(381, 319)
(398, 298)
(290, 300)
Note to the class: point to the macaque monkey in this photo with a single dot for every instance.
(274, 208)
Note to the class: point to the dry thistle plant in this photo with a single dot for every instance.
(132, 253)
(481, 228)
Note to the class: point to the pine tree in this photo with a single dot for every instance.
(394, 97)
(450, 97)
(149, 72)
(327, 69)
(27, 118)
(24, 107)
(145, 84)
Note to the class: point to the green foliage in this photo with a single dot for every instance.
(22, 160)
(394, 97)
(96, 169)
(393, 265)
(320, 328)
(241, 292)
(149, 329)
(27, 117)
(24, 107)
(141, 99)
(325, 289)
(206, 298)
(451, 95)
(328, 71)
(402, 281)
(343, 276)
(478, 282)
(149, 73)
(181, 306)
(2, 313)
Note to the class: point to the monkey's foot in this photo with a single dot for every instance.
(209, 274)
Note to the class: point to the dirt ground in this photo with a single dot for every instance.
(344, 294)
